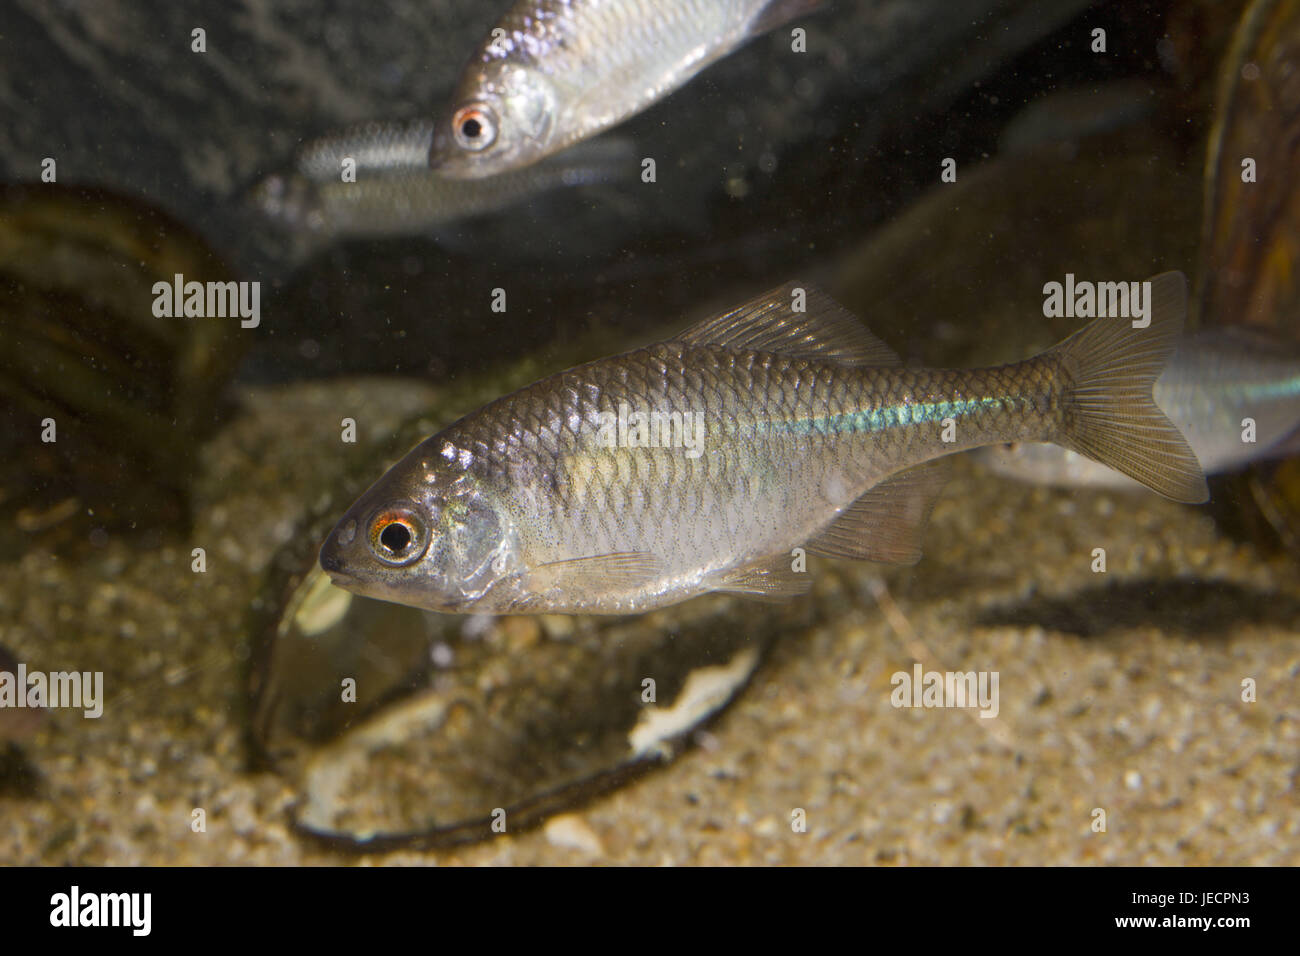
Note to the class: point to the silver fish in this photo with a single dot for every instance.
(1214, 382)
(554, 72)
(700, 463)
(374, 146)
(395, 193)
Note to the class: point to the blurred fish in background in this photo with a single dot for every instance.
(1065, 117)
(373, 181)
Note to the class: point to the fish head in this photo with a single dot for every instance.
(428, 534)
(289, 200)
(502, 118)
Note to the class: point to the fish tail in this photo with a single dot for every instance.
(1110, 414)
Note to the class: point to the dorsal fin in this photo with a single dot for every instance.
(780, 12)
(825, 331)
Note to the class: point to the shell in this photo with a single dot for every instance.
(1250, 236)
(131, 395)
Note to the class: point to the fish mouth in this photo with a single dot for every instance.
(450, 165)
(346, 581)
(451, 162)
(332, 565)
(332, 550)
(439, 151)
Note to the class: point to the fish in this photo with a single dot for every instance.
(374, 145)
(554, 72)
(1215, 381)
(1063, 118)
(808, 437)
(395, 193)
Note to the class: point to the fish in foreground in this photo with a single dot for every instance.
(553, 72)
(698, 464)
(395, 193)
(1215, 381)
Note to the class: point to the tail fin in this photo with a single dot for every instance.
(1112, 416)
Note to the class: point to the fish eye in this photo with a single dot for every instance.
(474, 127)
(398, 536)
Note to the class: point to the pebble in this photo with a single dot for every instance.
(571, 832)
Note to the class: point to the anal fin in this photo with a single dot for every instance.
(886, 523)
(767, 579)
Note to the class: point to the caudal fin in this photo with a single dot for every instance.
(1111, 415)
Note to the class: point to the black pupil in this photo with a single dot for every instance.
(472, 128)
(395, 537)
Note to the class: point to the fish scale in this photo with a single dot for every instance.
(817, 440)
(775, 418)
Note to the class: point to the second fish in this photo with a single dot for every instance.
(554, 72)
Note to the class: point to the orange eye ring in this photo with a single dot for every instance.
(474, 127)
(398, 536)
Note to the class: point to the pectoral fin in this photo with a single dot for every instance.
(595, 573)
